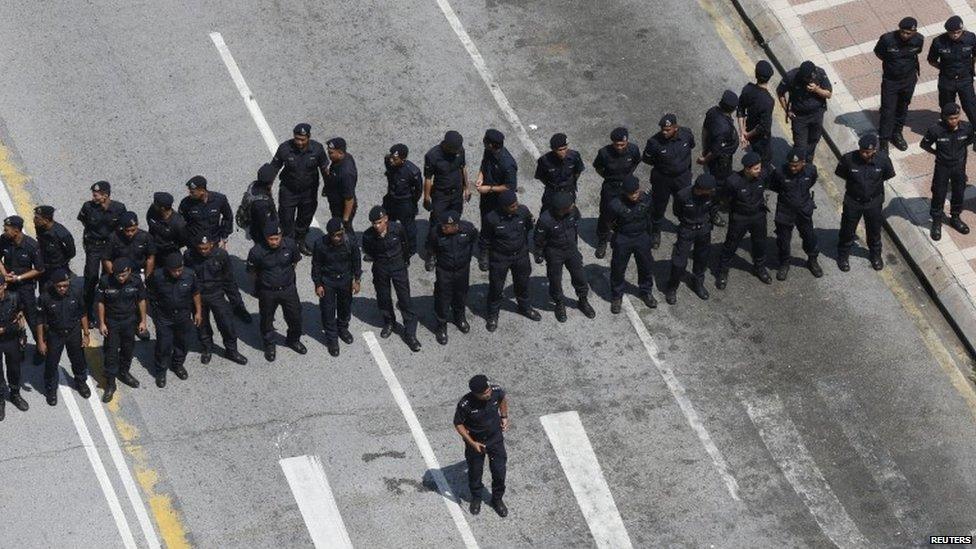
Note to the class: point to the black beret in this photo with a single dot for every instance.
(333, 226)
(272, 228)
(123, 264)
(102, 187)
(44, 211)
(954, 23)
(201, 238)
(302, 129)
(14, 221)
(507, 198)
(448, 217)
(163, 200)
(706, 182)
(950, 108)
(908, 23)
(376, 213)
(128, 219)
(494, 137)
(797, 154)
(630, 184)
(562, 200)
(336, 143)
(173, 261)
(619, 134)
(197, 182)
(399, 150)
(59, 275)
(453, 139)
(266, 174)
(558, 140)
(668, 120)
(750, 159)
(478, 383)
(764, 69)
(868, 142)
(729, 99)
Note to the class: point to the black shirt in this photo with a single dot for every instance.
(20, 258)
(692, 209)
(756, 105)
(10, 307)
(631, 218)
(864, 181)
(57, 246)
(100, 222)
(173, 297)
(445, 170)
(138, 248)
(746, 196)
(389, 252)
(557, 234)
(261, 213)
(559, 175)
(671, 156)
(212, 218)
(949, 147)
(507, 234)
(336, 265)
(341, 181)
(275, 267)
(719, 135)
(404, 183)
(481, 417)
(453, 252)
(168, 235)
(498, 168)
(61, 312)
(801, 101)
(794, 190)
(121, 300)
(899, 59)
(300, 168)
(953, 57)
(613, 165)
(213, 272)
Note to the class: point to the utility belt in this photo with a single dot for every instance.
(90, 244)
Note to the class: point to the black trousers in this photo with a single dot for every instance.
(170, 349)
(296, 210)
(625, 246)
(943, 179)
(849, 218)
(896, 95)
(398, 280)
(26, 293)
(498, 268)
(118, 346)
(694, 241)
(404, 211)
(763, 146)
(572, 260)
(663, 188)
(268, 302)
(57, 342)
(216, 305)
(93, 269)
(451, 293)
(497, 464)
(12, 357)
(949, 89)
(335, 307)
(609, 191)
(739, 225)
(440, 202)
(807, 131)
(784, 236)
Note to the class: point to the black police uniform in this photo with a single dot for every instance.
(557, 239)
(213, 218)
(633, 225)
(390, 260)
(138, 248)
(747, 214)
(670, 161)
(171, 304)
(100, 224)
(275, 270)
(298, 191)
(951, 148)
(169, 235)
(335, 267)
(483, 420)
(452, 255)
(900, 70)
(808, 108)
(756, 105)
(694, 236)
(499, 169)
(447, 193)
(61, 317)
(720, 138)
(863, 196)
(558, 175)
(57, 248)
(339, 186)
(213, 274)
(954, 59)
(10, 338)
(506, 237)
(121, 303)
(17, 260)
(261, 212)
(404, 187)
(613, 167)
(794, 208)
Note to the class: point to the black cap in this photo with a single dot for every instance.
(376, 213)
(478, 383)
(950, 109)
(44, 211)
(448, 217)
(123, 264)
(797, 154)
(128, 219)
(668, 120)
(302, 129)
(558, 140)
(806, 70)
(729, 99)
(705, 182)
(507, 198)
(619, 134)
(14, 221)
(333, 226)
(197, 182)
(336, 143)
(953, 23)
(764, 70)
(630, 184)
(562, 200)
(59, 275)
(266, 174)
(399, 150)
(868, 142)
(453, 139)
(201, 239)
(102, 187)
(494, 137)
(750, 159)
(173, 261)
(163, 200)
(272, 228)
(908, 23)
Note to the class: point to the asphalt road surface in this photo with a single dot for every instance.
(810, 413)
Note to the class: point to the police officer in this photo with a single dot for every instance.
(121, 302)
(446, 176)
(498, 172)
(953, 53)
(949, 141)
(56, 242)
(803, 94)
(11, 337)
(175, 299)
(793, 182)
(301, 160)
(898, 51)
(631, 215)
(557, 243)
(339, 185)
(272, 263)
(211, 266)
(22, 265)
(693, 207)
(166, 226)
(62, 323)
(745, 192)
(481, 418)
(559, 169)
(864, 172)
(668, 153)
(451, 243)
(614, 162)
(336, 269)
(755, 113)
(131, 242)
(720, 140)
(506, 233)
(404, 187)
(260, 209)
(386, 242)
(100, 218)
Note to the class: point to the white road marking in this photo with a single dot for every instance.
(575, 454)
(680, 395)
(785, 444)
(452, 502)
(308, 483)
(249, 101)
(96, 462)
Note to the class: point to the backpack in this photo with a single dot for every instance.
(243, 215)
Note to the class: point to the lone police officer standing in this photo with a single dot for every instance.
(557, 243)
(803, 94)
(300, 160)
(339, 185)
(336, 269)
(56, 242)
(559, 169)
(121, 300)
(272, 262)
(386, 242)
(668, 152)
(62, 323)
(693, 207)
(614, 162)
(481, 418)
(954, 53)
(506, 234)
(793, 183)
(446, 176)
(451, 243)
(755, 113)
(166, 226)
(630, 214)
(100, 218)
(949, 140)
(211, 266)
(11, 336)
(898, 51)
(864, 172)
(745, 191)
(22, 266)
(404, 187)
(175, 299)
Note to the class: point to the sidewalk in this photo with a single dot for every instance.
(839, 35)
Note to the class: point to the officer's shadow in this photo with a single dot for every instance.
(456, 476)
